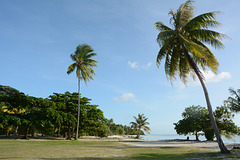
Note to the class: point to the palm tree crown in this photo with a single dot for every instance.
(184, 49)
(140, 124)
(83, 63)
(183, 46)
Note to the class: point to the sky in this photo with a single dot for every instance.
(37, 38)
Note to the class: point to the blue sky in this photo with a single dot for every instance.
(37, 38)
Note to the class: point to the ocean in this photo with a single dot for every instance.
(235, 139)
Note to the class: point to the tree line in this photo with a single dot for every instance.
(56, 115)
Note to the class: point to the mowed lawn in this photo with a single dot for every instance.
(100, 150)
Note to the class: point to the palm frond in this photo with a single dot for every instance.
(184, 14)
(165, 49)
(71, 68)
(184, 68)
(205, 20)
(161, 27)
(211, 61)
(164, 36)
(174, 63)
(193, 47)
(210, 37)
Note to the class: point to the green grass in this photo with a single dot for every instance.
(100, 150)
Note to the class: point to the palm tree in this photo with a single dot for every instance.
(140, 124)
(234, 102)
(183, 49)
(83, 64)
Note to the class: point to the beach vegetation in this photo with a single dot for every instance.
(23, 115)
(234, 101)
(140, 124)
(184, 49)
(83, 63)
(196, 121)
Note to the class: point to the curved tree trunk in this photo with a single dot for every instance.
(213, 121)
(78, 109)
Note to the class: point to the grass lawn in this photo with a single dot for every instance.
(101, 150)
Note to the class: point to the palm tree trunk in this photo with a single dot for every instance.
(78, 109)
(213, 121)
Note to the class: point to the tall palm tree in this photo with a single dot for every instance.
(140, 124)
(83, 64)
(184, 50)
(234, 102)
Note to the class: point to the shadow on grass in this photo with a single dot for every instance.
(150, 156)
(30, 137)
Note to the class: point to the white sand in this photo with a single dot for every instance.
(176, 143)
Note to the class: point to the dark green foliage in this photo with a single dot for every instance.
(6, 90)
(209, 134)
(196, 119)
(55, 116)
(118, 129)
(23, 114)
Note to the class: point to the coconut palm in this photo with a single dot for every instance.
(234, 102)
(184, 49)
(140, 125)
(83, 64)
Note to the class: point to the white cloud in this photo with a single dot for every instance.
(209, 76)
(124, 97)
(133, 64)
(136, 65)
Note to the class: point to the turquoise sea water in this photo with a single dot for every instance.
(235, 139)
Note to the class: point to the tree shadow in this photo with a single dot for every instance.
(149, 156)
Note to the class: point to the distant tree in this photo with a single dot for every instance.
(194, 118)
(83, 64)
(64, 115)
(140, 124)
(234, 102)
(183, 49)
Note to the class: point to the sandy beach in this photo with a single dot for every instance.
(130, 140)
(177, 143)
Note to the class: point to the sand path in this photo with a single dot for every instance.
(167, 143)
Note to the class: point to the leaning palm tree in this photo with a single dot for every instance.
(184, 49)
(234, 102)
(140, 125)
(83, 64)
